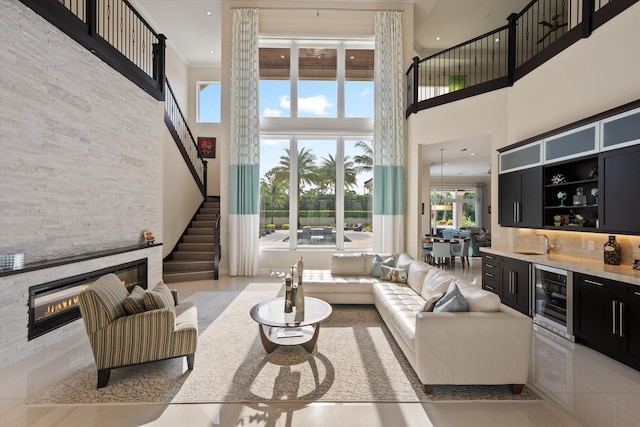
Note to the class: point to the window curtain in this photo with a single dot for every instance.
(244, 146)
(388, 169)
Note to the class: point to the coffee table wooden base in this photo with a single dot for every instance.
(271, 341)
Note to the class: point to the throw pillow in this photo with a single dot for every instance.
(452, 301)
(134, 303)
(159, 297)
(378, 262)
(431, 302)
(393, 274)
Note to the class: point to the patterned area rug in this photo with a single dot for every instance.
(356, 360)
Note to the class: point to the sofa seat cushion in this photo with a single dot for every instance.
(186, 316)
(400, 304)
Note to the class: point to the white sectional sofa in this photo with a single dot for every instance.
(488, 344)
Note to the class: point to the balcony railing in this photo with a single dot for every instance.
(500, 57)
(115, 32)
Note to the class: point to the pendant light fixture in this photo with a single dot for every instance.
(440, 206)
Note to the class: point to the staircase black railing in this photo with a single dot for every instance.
(179, 129)
(115, 32)
(499, 58)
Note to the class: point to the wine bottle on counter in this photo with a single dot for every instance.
(612, 252)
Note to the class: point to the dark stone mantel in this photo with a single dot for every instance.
(41, 265)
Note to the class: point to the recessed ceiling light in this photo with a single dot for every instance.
(497, 39)
(438, 38)
(352, 57)
(282, 57)
(209, 13)
(211, 52)
(473, 154)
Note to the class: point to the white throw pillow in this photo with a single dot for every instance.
(393, 274)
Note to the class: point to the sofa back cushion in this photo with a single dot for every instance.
(478, 298)
(404, 261)
(348, 265)
(436, 281)
(417, 271)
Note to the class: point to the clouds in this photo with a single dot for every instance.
(317, 105)
(366, 92)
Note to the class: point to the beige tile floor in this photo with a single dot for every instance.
(580, 387)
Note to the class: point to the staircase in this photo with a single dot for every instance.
(197, 255)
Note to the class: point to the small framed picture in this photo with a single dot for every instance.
(207, 146)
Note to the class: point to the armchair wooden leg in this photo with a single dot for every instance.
(103, 377)
(517, 388)
(428, 388)
(190, 359)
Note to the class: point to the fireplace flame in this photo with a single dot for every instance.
(62, 305)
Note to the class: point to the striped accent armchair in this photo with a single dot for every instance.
(120, 339)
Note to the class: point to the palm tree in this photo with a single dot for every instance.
(273, 191)
(307, 171)
(327, 173)
(364, 161)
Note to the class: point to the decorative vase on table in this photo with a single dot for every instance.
(612, 252)
(288, 307)
(300, 293)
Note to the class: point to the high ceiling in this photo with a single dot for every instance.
(193, 28)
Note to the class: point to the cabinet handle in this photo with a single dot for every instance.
(488, 274)
(591, 282)
(489, 266)
(620, 317)
(488, 257)
(613, 316)
(515, 218)
(489, 287)
(637, 293)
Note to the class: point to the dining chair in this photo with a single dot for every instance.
(461, 250)
(441, 253)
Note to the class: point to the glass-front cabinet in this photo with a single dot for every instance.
(621, 130)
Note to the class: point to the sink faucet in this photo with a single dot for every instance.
(547, 245)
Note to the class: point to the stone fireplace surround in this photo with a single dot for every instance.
(14, 297)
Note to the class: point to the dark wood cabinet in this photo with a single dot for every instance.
(619, 176)
(509, 279)
(516, 284)
(607, 317)
(520, 198)
(491, 273)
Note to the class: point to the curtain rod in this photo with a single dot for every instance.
(318, 9)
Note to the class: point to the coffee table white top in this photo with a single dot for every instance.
(271, 313)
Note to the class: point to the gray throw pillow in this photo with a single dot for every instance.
(431, 302)
(159, 297)
(378, 262)
(134, 303)
(452, 301)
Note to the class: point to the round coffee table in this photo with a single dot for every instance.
(279, 328)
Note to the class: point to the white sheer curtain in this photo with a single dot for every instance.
(244, 146)
(388, 170)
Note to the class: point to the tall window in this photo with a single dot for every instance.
(208, 102)
(316, 176)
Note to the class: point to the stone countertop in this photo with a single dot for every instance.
(621, 273)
